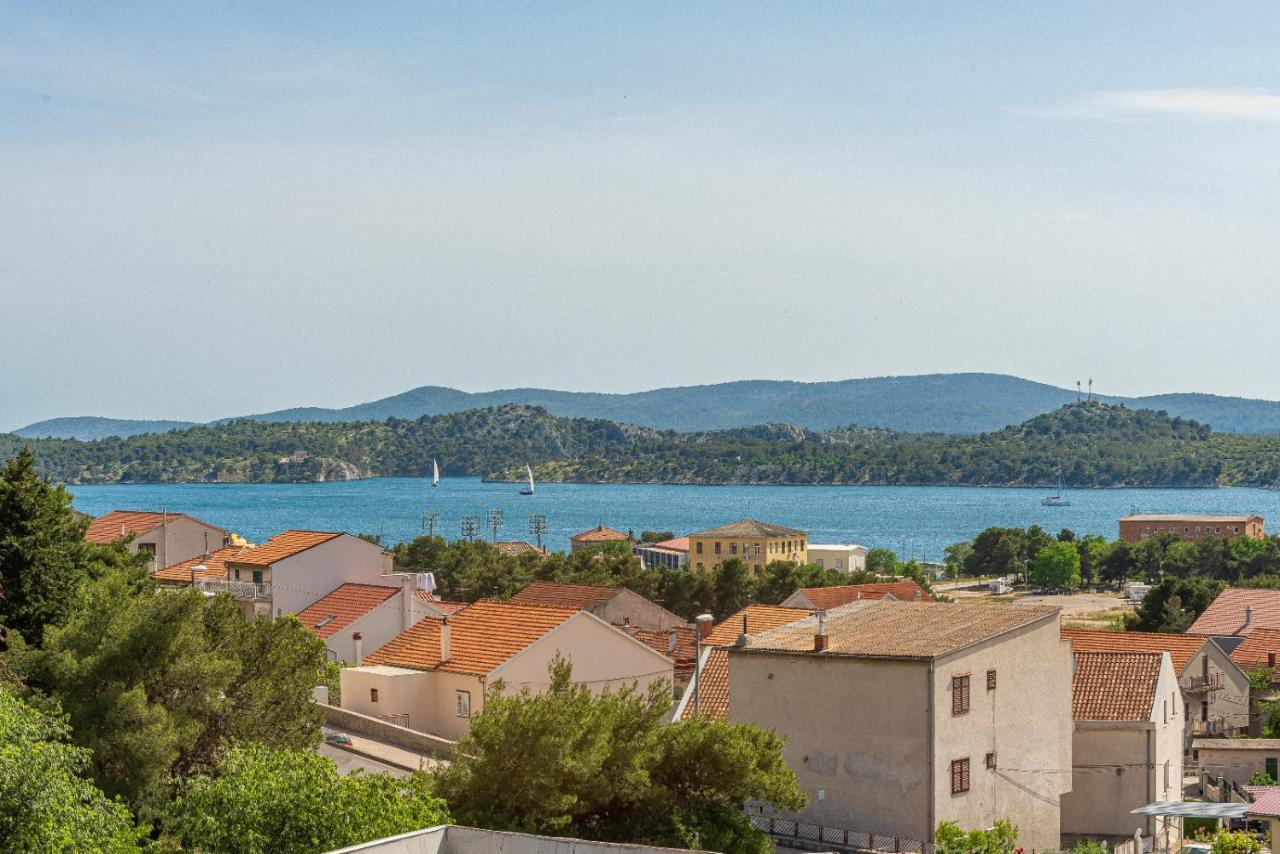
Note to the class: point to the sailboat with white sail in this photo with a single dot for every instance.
(435, 472)
(528, 490)
(1056, 500)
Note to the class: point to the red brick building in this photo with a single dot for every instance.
(1143, 526)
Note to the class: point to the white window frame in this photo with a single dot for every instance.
(463, 700)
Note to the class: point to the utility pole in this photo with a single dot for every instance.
(538, 527)
(429, 521)
(495, 521)
(470, 527)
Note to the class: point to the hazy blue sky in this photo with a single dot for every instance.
(209, 212)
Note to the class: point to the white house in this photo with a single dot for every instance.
(845, 557)
(167, 537)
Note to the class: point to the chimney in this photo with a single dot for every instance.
(671, 640)
(1248, 617)
(446, 639)
(409, 588)
(820, 639)
(742, 638)
(704, 628)
(359, 642)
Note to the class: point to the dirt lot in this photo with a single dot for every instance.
(1079, 610)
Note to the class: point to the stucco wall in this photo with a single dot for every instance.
(1229, 706)
(1238, 765)
(1025, 721)
(639, 611)
(850, 559)
(400, 692)
(377, 628)
(856, 734)
(310, 575)
(183, 540)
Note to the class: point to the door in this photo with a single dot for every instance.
(1271, 768)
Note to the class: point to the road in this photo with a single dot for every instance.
(348, 762)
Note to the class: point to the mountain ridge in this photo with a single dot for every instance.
(958, 403)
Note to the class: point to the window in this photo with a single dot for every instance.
(959, 776)
(237, 575)
(1271, 659)
(818, 561)
(1164, 715)
(700, 565)
(733, 548)
(717, 547)
(1272, 771)
(373, 695)
(991, 680)
(756, 549)
(257, 576)
(147, 548)
(1166, 775)
(991, 761)
(464, 704)
(839, 563)
(960, 694)
(698, 547)
(1236, 529)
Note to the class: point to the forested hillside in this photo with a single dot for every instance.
(1092, 444)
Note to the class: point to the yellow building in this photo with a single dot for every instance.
(753, 542)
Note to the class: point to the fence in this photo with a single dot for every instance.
(803, 833)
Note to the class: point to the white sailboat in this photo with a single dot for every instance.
(435, 473)
(528, 490)
(1056, 500)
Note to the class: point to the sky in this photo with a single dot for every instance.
(215, 211)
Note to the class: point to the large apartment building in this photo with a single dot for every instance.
(1143, 526)
(900, 715)
(753, 542)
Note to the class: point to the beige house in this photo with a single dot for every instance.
(168, 538)
(845, 557)
(825, 598)
(900, 715)
(360, 618)
(596, 537)
(753, 542)
(435, 676)
(1215, 691)
(1237, 759)
(615, 605)
(1126, 747)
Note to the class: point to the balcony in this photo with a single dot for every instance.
(1211, 728)
(1202, 684)
(238, 589)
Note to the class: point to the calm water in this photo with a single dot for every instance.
(924, 518)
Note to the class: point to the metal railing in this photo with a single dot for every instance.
(1211, 728)
(802, 833)
(1202, 684)
(238, 589)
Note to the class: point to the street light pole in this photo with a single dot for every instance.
(699, 622)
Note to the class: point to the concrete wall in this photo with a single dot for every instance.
(856, 734)
(1229, 706)
(629, 606)
(310, 575)
(1241, 763)
(182, 538)
(401, 691)
(380, 730)
(1025, 721)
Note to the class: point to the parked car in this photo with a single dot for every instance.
(339, 738)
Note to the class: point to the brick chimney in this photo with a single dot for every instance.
(820, 639)
(704, 628)
(446, 639)
(358, 640)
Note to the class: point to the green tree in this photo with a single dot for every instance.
(732, 587)
(1173, 605)
(1235, 842)
(881, 561)
(999, 839)
(656, 536)
(45, 803)
(995, 552)
(607, 767)
(1056, 565)
(1090, 846)
(1093, 551)
(44, 556)
(955, 555)
(294, 801)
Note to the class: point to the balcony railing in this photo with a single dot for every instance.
(1202, 684)
(1211, 728)
(238, 589)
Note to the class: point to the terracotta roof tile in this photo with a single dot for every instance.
(760, 618)
(834, 597)
(121, 523)
(215, 566)
(1181, 648)
(1114, 686)
(516, 548)
(713, 701)
(750, 528)
(580, 596)
(482, 636)
(679, 544)
(447, 607)
(1254, 650)
(330, 615)
(1227, 613)
(660, 641)
(888, 629)
(599, 534)
(283, 545)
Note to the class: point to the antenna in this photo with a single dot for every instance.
(429, 521)
(538, 527)
(495, 520)
(1078, 391)
(470, 527)
(1091, 389)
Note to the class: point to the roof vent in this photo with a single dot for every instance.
(1248, 617)
(820, 639)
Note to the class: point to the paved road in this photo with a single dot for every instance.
(348, 762)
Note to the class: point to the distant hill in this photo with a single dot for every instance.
(934, 403)
(90, 427)
(1088, 444)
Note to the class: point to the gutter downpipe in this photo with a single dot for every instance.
(1151, 790)
(932, 781)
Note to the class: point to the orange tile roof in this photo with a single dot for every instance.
(580, 596)
(660, 641)
(599, 534)
(679, 544)
(121, 523)
(750, 528)
(889, 629)
(1253, 651)
(330, 615)
(1181, 648)
(516, 548)
(482, 637)
(215, 566)
(283, 545)
(1225, 616)
(713, 701)
(447, 607)
(834, 597)
(1114, 686)
(760, 618)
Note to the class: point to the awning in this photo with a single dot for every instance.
(1193, 809)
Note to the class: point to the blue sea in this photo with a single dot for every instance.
(914, 521)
